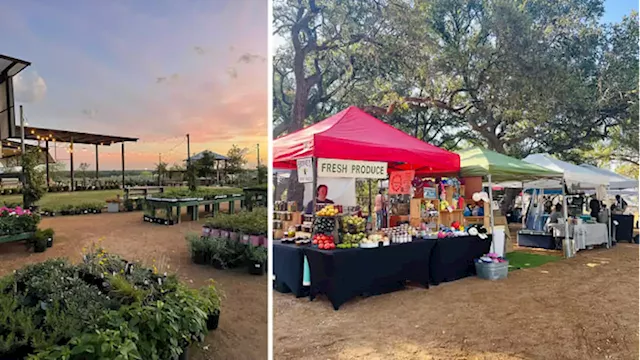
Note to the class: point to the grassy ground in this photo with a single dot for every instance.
(70, 198)
(523, 260)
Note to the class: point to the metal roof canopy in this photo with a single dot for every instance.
(10, 67)
(65, 136)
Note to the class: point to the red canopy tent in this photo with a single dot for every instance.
(352, 134)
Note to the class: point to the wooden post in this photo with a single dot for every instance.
(97, 167)
(72, 187)
(46, 160)
(123, 185)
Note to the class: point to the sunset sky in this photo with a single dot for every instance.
(153, 72)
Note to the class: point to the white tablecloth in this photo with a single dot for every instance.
(589, 235)
(584, 234)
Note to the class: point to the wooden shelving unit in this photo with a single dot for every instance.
(444, 217)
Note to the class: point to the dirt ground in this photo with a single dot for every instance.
(242, 333)
(580, 308)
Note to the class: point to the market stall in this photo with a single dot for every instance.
(496, 168)
(575, 179)
(354, 145)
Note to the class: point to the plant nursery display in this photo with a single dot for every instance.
(202, 193)
(69, 209)
(103, 308)
(14, 221)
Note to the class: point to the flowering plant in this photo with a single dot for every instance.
(17, 221)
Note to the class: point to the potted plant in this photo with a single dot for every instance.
(257, 257)
(39, 242)
(218, 253)
(212, 297)
(254, 234)
(48, 233)
(197, 249)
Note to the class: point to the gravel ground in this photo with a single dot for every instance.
(243, 323)
(580, 308)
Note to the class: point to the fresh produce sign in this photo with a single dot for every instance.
(333, 168)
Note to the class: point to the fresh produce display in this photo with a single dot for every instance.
(353, 224)
(328, 210)
(324, 225)
(374, 240)
(324, 242)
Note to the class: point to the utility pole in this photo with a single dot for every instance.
(258, 145)
(159, 168)
(188, 151)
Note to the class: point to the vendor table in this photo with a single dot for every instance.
(343, 274)
(453, 258)
(589, 235)
(173, 207)
(288, 260)
(624, 229)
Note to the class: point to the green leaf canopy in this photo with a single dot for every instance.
(482, 162)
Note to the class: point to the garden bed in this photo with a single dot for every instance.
(102, 308)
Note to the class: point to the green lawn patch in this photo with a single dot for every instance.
(67, 198)
(523, 260)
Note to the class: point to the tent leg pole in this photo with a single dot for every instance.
(565, 214)
(493, 249)
(315, 185)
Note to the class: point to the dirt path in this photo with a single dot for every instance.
(243, 324)
(581, 308)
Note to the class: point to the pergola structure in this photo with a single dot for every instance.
(73, 137)
(217, 158)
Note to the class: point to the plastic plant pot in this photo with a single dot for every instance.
(244, 239)
(214, 233)
(234, 235)
(213, 320)
(256, 268)
(254, 240)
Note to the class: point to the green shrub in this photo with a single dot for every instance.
(103, 308)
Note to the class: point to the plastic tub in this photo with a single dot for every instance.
(492, 271)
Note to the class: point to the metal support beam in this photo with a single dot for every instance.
(46, 159)
(123, 165)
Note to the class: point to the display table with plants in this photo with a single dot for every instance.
(103, 308)
(165, 208)
(17, 224)
(232, 240)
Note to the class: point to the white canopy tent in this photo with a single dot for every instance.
(575, 176)
(616, 181)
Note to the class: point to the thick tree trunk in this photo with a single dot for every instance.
(295, 190)
(509, 200)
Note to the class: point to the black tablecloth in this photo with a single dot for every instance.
(343, 274)
(452, 258)
(624, 229)
(288, 267)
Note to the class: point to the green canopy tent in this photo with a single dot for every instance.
(497, 167)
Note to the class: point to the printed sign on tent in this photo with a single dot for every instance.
(305, 170)
(333, 168)
(400, 182)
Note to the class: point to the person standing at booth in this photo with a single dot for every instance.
(321, 198)
(379, 207)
